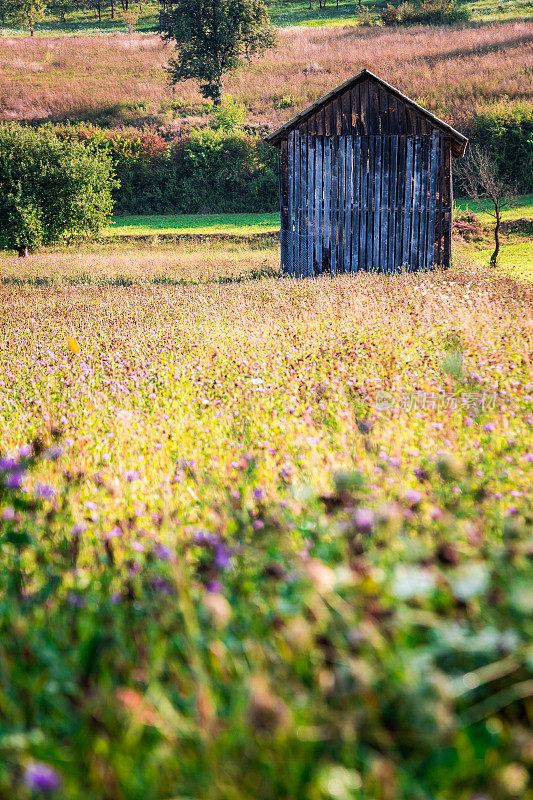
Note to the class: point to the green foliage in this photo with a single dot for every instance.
(424, 12)
(507, 133)
(26, 13)
(215, 37)
(49, 189)
(210, 171)
(230, 115)
(327, 651)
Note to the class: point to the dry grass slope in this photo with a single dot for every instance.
(451, 71)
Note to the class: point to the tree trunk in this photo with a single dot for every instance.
(31, 28)
(112, 9)
(23, 251)
(494, 256)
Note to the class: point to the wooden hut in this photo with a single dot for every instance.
(365, 182)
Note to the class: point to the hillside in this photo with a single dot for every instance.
(118, 80)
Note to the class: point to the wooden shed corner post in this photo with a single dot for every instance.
(285, 238)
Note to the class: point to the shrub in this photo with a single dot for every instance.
(230, 115)
(425, 12)
(50, 189)
(507, 133)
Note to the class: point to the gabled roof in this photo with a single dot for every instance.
(458, 138)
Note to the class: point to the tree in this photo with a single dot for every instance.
(215, 37)
(50, 189)
(27, 13)
(481, 181)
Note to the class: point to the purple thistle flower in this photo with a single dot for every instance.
(113, 533)
(222, 556)
(14, 479)
(258, 524)
(44, 491)
(528, 457)
(41, 778)
(259, 494)
(77, 528)
(413, 496)
(364, 519)
(132, 475)
(8, 464)
(163, 552)
(213, 586)
(25, 451)
(489, 427)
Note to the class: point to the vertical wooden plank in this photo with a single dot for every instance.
(303, 206)
(356, 202)
(377, 203)
(345, 113)
(318, 205)
(356, 109)
(334, 203)
(393, 115)
(374, 109)
(384, 99)
(448, 204)
(297, 204)
(430, 252)
(393, 202)
(370, 204)
(348, 206)
(327, 202)
(424, 207)
(385, 214)
(407, 205)
(415, 227)
(290, 219)
(363, 209)
(364, 107)
(310, 203)
(400, 197)
(341, 176)
(402, 118)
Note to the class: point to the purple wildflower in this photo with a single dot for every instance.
(161, 585)
(528, 457)
(258, 524)
(259, 494)
(132, 475)
(41, 778)
(44, 491)
(163, 552)
(222, 556)
(77, 528)
(364, 519)
(76, 600)
(14, 479)
(25, 451)
(54, 452)
(138, 547)
(413, 496)
(8, 464)
(113, 533)
(8, 513)
(489, 427)
(213, 586)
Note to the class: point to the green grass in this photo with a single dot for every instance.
(248, 224)
(516, 258)
(522, 209)
(245, 224)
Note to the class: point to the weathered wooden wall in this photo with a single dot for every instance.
(365, 202)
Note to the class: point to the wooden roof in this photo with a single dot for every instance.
(459, 141)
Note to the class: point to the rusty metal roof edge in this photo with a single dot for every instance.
(366, 73)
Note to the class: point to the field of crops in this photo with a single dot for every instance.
(263, 538)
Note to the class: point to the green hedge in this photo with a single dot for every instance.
(508, 133)
(438, 12)
(210, 171)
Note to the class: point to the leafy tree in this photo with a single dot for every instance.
(27, 13)
(483, 183)
(215, 37)
(49, 189)
(62, 8)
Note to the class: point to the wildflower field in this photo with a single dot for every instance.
(263, 539)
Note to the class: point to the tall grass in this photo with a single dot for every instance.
(116, 79)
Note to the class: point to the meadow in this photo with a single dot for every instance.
(118, 80)
(263, 537)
